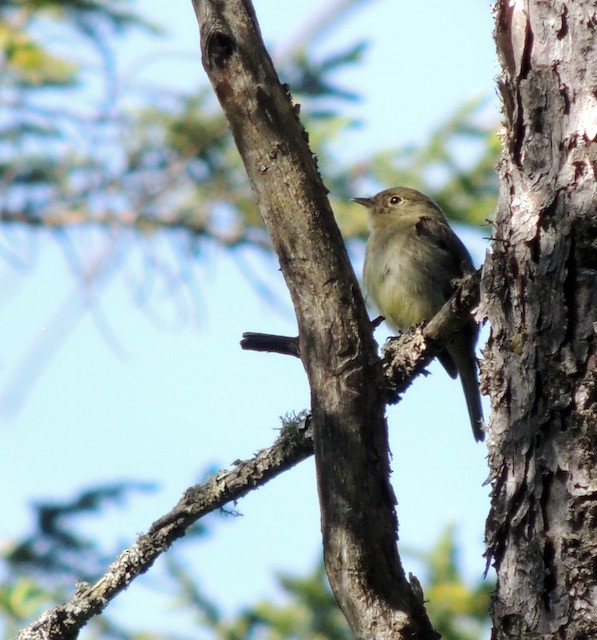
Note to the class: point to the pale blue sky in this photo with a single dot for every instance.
(187, 392)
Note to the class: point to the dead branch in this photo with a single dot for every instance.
(65, 621)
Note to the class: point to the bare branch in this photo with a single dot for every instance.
(284, 345)
(64, 622)
(271, 343)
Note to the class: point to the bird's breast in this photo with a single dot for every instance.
(399, 279)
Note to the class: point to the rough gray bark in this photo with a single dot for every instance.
(358, 520)
(540, 294)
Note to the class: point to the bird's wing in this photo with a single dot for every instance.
(439, 233)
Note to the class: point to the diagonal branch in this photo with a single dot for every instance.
(406, 357)
(65, 621)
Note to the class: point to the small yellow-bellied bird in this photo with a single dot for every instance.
(411, 262)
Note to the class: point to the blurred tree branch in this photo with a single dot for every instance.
(113, 161)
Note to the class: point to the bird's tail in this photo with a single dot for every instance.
(470, 386)
(464, 359)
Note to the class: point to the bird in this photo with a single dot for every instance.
(412, 259)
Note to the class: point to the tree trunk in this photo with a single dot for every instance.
(540, 295)
(337, 349)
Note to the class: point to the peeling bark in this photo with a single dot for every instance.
(539, 292)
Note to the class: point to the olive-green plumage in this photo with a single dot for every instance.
(411, 261)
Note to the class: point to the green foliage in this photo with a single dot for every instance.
(29, 64)
(56, 552)
(466, 192)
(173, 164)
(465, 189)
(314, 78)
(50, 54)
(458, 611)
(91, 16)
(311, 612)
(21, 599)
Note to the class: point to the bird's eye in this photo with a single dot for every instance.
(395, 199)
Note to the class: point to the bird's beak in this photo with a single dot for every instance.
(366, 202)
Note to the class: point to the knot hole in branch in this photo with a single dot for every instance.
(219, 47)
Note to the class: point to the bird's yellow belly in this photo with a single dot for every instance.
(402, 307)
(404, 298)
